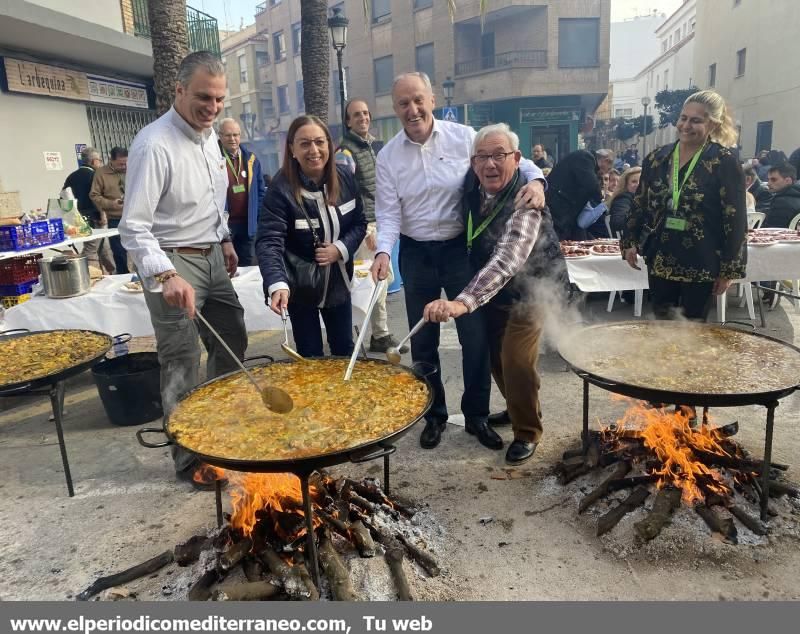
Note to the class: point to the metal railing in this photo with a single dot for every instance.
(260, 8)
(511, 59)
(202, 29)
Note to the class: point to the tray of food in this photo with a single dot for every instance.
(606, 249)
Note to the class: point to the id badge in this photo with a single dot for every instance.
(676, 224)
(238, 189)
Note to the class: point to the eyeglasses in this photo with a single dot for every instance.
(497, 157)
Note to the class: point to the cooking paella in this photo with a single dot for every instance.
(40, 354)
(227, 419)
(688, 358)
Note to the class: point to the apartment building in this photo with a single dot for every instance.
(249, 96)
(541, 66)
(749, 52)
(74, 73)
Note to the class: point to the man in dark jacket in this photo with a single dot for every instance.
(574, 181)
(759, 190)
(245, 190)
(518, 268)
(785, 203)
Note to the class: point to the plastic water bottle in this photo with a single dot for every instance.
(121, 344)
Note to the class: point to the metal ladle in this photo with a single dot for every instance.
(274, 398)
(290, 352)
(393, 355)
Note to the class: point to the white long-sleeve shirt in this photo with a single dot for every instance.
(175, 192)
(419, 185)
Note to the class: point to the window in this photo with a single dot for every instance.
(578, 42)
(262, 58)
(666, 80)
(267, 109)
(425, 60)
(381, 11)
(664, 46)
(279, 46)
(670, 41)
(300, 94)
(712, 75)
(337, 95)
(296, 38)
(763, 136)
(243, 69)
(384, 73)
(283, 99)
(422, 4)
(274, 3)
(246, 108)
(677, 36)
(623, 112)
(741, 61)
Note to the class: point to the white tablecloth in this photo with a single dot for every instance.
(111, 309)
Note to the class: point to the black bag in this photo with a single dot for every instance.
(306, 279)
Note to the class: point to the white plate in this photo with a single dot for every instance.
(617, 254)
(131, 290)
(762, 244)
(789, 240)
(577, 257)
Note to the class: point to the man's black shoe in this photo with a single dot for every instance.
(382, 344)
(520, 451)
(487, 436)
(501, 418)
(432, 433)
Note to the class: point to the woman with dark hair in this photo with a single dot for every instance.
(688, 219)
(311, 217)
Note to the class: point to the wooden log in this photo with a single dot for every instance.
(201, 589)
(629, 483)
(608, 521)
(302, 572)
(361, 503)
(252, 568)
(619, 472)
(718, 524)
(422, 557)
(362, 539)
(336, 524)
(753, 523)
(140, 570)
(667, 500)
(742, 464)
(335, 570)
(235, 553)
(250, 591)
(567, 476)
(288, 575)
(778, 489)
(189, 551)
(394, 558)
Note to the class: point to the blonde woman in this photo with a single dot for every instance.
(621, 199)
(688, 219)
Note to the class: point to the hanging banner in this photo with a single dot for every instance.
(117, 92)
(49, 81)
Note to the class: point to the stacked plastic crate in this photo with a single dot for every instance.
(19, 274)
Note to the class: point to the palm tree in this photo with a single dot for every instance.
(170, 40)
(315, 56)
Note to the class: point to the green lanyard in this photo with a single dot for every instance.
(235, 170)
(676, 154)
(470, 235)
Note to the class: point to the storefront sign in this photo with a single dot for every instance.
(480, 115)
(117, 92)
(41, 79)
(52, 161)
(546, 116)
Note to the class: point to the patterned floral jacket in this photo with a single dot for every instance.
(714, 241)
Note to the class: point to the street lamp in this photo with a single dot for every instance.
(645, 103)
(448, 85)
(337, 23)
(249, 124)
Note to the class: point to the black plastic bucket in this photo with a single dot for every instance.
(130, 388)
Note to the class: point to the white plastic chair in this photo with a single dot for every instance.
(755, 218)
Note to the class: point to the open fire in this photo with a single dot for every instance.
(661, 448)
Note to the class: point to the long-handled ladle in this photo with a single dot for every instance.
(393, 355)
(274, 398)
(290, 352)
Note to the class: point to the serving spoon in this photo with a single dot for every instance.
(393, 354)
(290, 352)
(274, 398)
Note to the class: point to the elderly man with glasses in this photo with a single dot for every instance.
(519, 268)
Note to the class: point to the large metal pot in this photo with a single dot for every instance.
(65, 276)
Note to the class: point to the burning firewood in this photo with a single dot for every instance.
(189, 551)
(667, 500)
(619, 472)
(201, 589)
(753, 523)
(422, 557)
(252, 568)
(234, 554)
(394, 558)
(289, 576)
(608, 521)
(144, 568)
(718, 524)
(250, 591)
(633, 481)
(335, 570)
(302, 572)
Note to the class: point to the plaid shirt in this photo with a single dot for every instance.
(509, 256)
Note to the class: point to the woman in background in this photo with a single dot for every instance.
(622, 199)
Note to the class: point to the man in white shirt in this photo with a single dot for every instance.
(173, 227)
(420, 177)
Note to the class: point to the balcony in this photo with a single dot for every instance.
(501, 61)
(261, 8)
(202, 29)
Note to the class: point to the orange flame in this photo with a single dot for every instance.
(672, 439)
(252, 492)
(206, 474)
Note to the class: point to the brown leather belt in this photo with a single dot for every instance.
(191, 250)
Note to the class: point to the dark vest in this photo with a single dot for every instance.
(544, 261)
(364, 157)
